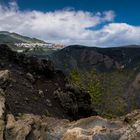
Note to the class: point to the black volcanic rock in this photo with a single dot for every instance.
(76, 102)
(31, 86)
(32, 64)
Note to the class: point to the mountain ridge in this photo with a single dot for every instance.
(11, 37)
(78, 53)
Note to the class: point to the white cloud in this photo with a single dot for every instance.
(68, 26)
(117, 34)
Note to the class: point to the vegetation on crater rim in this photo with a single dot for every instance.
(105, 89)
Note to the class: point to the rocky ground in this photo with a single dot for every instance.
(34, 86)
(40, 127)
(37, 103)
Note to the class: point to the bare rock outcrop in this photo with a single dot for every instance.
(97, 128)
(33, 127)
(2, 113)
(18, 130)
(4, 80)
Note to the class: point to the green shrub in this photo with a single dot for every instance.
(75, 77)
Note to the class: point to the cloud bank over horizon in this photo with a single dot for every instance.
(68, 26)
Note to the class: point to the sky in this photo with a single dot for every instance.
(102, 23)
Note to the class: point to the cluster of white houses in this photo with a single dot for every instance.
(34, 45)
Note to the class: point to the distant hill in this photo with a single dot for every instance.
(11, 38)
(30, 46)
(104, 59)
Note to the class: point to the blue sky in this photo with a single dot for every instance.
(97, 22)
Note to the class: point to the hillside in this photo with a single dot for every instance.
(30, 46)
(109, 75)
(104, 59)
(12, 38)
